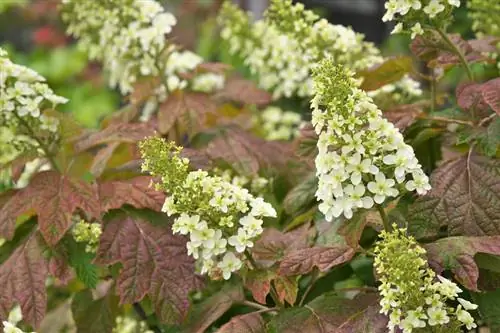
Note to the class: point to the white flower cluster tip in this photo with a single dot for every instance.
(362, 158)
(415, 10)
(412, 295)
(23, 97)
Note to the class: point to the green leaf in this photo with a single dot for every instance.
(96, 316)
(489, 141)
(332, 313)
(388, 72)
(464, 199)
(489, 308)
(302, 196)
(81, 261)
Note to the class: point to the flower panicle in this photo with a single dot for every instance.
(221, 218)
(362, 158)
(413, 296)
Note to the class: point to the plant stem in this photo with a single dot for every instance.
(385, 218)
(457, 52)
(46, 150)
(248, 255)
(309, 287)
(433, 84)
(142, 314)
(487, 119)
(450, 120)
(255, 305)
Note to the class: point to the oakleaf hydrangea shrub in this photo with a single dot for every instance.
(362, 158)
(222, 219)
(260, 221)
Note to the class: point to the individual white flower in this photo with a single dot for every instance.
(169, 206)
(437, 316)
(433, 8)
(397, 28)
(382, 188)
(356, 194)
(262, 208)
(466, 318)
(193, 249)
(420, 183)
(185, 224)
(465, 303)
(15, 315)
(202, 235)
(455, 3)
(416, 30)
(447, 287)
(357, 168)
(241, 240)
(252, 226)
(229, 264)
(10, 328)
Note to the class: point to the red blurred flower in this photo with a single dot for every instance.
(49, 36)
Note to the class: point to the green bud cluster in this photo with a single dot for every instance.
(85, 232)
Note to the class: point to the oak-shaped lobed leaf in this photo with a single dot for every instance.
(457, 254)
(22, 280)
(247, 323)
(136, 192)
(245, 92)
(54, 198)
(155, 263)
(464, 199)
(334, 314)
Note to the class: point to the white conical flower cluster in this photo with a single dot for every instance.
(129, 37)
(282, 59)
(222, 219)
(24, 96)
(362, 158)
(412, 295)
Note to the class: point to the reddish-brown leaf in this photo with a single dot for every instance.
(273, 245)
(457, 254)
(491, 94)
(136, 192)
(154, 262)
(246, 92)
(59, 268)
(213, 67)
(102, 158)
(248, 153)
(143, 90)
(170, 110)
(259, 284)
(54, 198)
(402, 116)
(464, 198)
(22, 280)
(247, 323)
(303, 261)
(211, 309)
(469, 96)
(485, 44)
(119, 132)
(333, 314)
